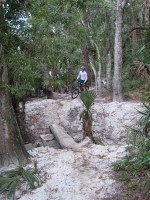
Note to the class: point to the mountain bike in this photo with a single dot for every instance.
(78, 89)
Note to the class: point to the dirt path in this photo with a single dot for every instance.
(70, 174)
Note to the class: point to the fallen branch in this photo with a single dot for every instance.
(64, 140)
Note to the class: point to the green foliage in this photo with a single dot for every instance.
(87, 98)
(146, 97)
(131, 82)
(57, 84)
(144, 51)
(24, 73)
(119, 165)
(10, 180)
(143, 126)
(134, 168)
(144, 121)
(98, 141)
(9, 184)
(124, 176)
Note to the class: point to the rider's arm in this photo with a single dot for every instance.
(85, 78)
(79, 75)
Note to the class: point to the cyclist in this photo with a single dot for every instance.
(82, 77)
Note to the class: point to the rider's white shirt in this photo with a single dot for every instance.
(82, 75)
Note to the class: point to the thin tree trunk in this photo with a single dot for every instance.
(108, 71)
(85, 50)
(134, 44)
(47, 84)
(99, 85)
(117, 86)
(95, 75)
(87, 129)
(85, 54)
(108, 49)
(69, 76)
(147, 12)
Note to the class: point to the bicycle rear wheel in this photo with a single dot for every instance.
(75, 93)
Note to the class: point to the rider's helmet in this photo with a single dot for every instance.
(82, 68)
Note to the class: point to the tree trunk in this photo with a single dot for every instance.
(85, 50)
(99, 85)
(108, 71)
(20, 116)
(95, 75)
(69, 76)
(117, 86)
(87, 129)
(85, 53)
(47, 85)
(147, 12)
(12, 150)
(108, 49)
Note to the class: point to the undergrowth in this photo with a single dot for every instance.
(134, 169)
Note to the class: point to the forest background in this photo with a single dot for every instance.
(110, 38)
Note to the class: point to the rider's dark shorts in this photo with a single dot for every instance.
(82, 82)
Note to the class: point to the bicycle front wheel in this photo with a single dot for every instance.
(75, 93)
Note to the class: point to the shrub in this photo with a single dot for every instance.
(135, 168)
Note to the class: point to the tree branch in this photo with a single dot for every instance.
(138, 27)
(131, 30)
(124, 3)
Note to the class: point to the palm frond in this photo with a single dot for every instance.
(136, 136)
(9, 180)
(12, 188)
(10, 185)
(13, 173)
(87, 97)
(144, 121)
(5, 183)
(87, 115)
(30, 178)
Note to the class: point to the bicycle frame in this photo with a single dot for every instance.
(75, 93)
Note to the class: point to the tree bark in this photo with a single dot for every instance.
(12, 150)
(117, 86)
(69, 76)
(108, 50)
(97, 74)
(147, 12)
(87, 129)
(20, 116)
(85, 53)
(99, 85)
(47, 85)
(108, 71)
(85, 50)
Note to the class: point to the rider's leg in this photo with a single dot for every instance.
(86, 85)
(81, 84)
